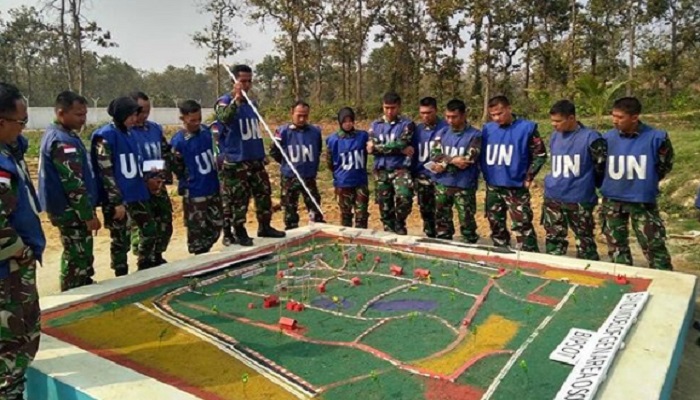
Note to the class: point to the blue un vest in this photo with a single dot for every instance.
(454, 145)
(198, 153)
(505, 157)
(149, 137)
(51, 193)
(242, 140)
(349, 155)
(387, 132)
(572, 178)
(697, 200)
(303, 147)
(424, 140)
(25, 218)
(126, 163)
(630, 174)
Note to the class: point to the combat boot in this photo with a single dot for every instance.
(229, 238)
(265, 230)
(242, 236)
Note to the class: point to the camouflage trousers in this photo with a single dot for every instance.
(291, 189)
(241, 181)
(394, 195)
(203, 220)
(465, 201)
(19, 329)
(515, 202)
(162, 210)
(558, 217)
(226, 209)
(647, 225)
(119, 231)
(77, 258)
(353, 199)
(425, 193)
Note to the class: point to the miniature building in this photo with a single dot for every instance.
(288, 323)
(621, 280)
(396, 270)
(271, 301)
(421, 273)
(356, 281)
(295, 306)
(359, 257)
(321, 288)
(251, 305)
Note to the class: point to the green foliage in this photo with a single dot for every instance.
(595, 96)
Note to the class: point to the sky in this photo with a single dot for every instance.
(153, 34)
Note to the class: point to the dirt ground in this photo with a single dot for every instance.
(688, 382)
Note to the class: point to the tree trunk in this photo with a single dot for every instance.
(319, 68)
(487, 83)
(295, 67)
(674, 52)
(66, 45)
(78, 40)
(358, 58)
(632, 39)
(477, 86)
(527, 69)
(572, 48)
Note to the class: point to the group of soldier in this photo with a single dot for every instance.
(221, 166)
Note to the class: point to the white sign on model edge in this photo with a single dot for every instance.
(573, 346)
(592, 368)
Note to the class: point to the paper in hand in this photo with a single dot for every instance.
(150, 165)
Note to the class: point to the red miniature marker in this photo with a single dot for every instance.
(280, 274)
(271, 301)
(356, 281)
(321, 288)
(421, 273)
(501, 271)
(621, 280)
(377, 259)
(360, 257)
(396, 270)
(251, 305)
(288, 323)
(290, 265)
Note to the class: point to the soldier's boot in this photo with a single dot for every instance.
(401, 228)
(145, 263)
(121, 270)
(160, 260)
(265, 230)
(229, 238)
(202, 251)
(242, 236)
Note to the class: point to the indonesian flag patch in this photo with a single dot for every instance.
(5, 178)
(68, 149)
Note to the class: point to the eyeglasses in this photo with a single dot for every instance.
(22, 122)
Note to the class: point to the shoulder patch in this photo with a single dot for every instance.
(5, 178)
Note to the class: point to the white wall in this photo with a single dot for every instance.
(40, 117)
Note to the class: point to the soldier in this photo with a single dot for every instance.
(347, 158)
(195, 167)
(578, 165)
(391, 138)
(424, 141)
(302, 143)
(22, 243)
(244, 159)
(216, 128)
(512, 154)
(639, 157)
(456, 173)
(124, 193)
(68, 189)
(157, 158)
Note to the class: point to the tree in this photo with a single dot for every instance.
(219, 37)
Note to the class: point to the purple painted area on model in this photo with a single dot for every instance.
(404, 305)
(329, 304)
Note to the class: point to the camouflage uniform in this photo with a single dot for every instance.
(463, 198)
(140, 212)
(227, 212)
(516, 203)
(394, 188)
(241, 180)
(646, 222)
(19, 301)
(77, 258)
(204, 221)
(356, 199)
(425, 194)
(291, 189)
(557, 217)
